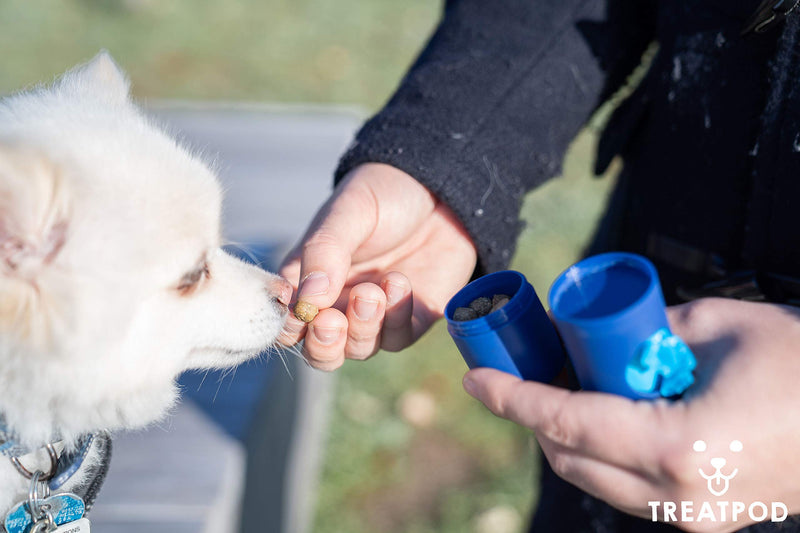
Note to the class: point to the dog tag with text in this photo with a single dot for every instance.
(78, 526)
(64, 508)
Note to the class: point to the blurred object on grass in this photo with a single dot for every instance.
(500, 519)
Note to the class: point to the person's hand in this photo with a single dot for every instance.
(631, 453)
(379, 235)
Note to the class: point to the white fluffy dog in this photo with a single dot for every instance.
(112, 280)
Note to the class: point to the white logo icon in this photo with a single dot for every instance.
(718, 482)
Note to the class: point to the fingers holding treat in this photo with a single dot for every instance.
(375, 317)
(332, 336)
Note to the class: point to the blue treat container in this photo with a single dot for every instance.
(517, 338)
(610, 313)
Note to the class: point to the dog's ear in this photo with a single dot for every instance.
(34, 210)
(101, 76)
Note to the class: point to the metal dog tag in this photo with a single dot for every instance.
(78, 526)
(64, 508)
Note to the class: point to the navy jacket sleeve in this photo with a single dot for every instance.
(490, 106)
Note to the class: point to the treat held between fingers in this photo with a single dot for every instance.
(305, 311)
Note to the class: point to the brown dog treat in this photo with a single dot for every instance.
(305, 311)
(481, 305)
(462, 314)
(498, 303)
(497, 297)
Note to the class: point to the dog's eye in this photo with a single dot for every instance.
(192, 279)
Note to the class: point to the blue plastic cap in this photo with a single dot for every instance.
(518, 338)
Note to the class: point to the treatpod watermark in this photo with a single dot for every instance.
(718, 479)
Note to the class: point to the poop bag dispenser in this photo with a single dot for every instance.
(517, 338)
(609, 310)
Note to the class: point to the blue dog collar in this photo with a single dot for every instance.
(69, 463)
(9, 447)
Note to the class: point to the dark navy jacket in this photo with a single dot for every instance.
(710, 139)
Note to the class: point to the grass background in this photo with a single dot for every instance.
(343, 51)
(461, 469)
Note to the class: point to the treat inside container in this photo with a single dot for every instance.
(518, 338)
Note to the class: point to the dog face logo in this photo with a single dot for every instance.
(718, 481)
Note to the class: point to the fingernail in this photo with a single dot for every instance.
(326, 336)
(471, 387)
(364, 309)
(292, 327)
(394, 293)
(313, 284)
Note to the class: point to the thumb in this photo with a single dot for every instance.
(490, 387)
(325, 254)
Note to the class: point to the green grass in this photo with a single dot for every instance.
(381, 473)
(342, 51)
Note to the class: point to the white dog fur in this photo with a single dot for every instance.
(112, 280)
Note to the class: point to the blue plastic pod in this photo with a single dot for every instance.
(517, 338)
(609, 310)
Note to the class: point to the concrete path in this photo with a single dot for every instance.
(241, 453)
